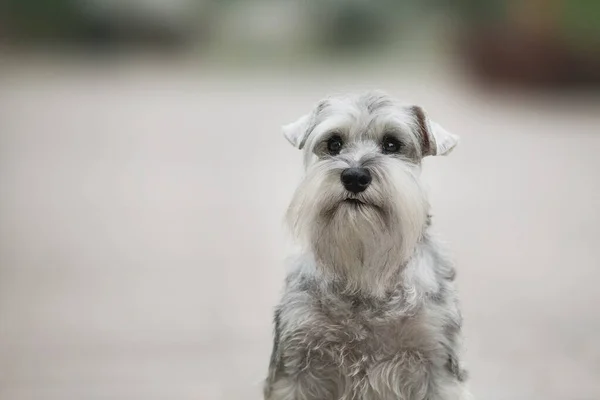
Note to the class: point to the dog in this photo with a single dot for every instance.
(369, 310)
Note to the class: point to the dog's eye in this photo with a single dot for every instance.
(334, 145)
(390, 145)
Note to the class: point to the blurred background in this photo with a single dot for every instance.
(143, 182)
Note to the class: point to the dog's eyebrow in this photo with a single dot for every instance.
(392, 129)
(335, 124)
(383, 125)
(330, 133)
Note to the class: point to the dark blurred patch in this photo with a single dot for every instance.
(24, 21)
(351, 24)
(532, 43)
(521, 43)
(340, 25)
(100, 24)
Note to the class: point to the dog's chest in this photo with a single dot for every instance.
(353, 333)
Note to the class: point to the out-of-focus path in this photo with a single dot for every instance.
(141, 231)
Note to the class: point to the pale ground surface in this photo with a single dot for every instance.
(141, 236)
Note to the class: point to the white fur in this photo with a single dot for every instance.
(369, 311)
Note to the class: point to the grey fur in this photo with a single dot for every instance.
(369, 310)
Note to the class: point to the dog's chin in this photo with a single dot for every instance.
(354, 203)
(356, 210)
(359, 205)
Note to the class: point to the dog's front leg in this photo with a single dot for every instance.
(291, 378)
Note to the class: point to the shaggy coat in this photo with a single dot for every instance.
(369, 310)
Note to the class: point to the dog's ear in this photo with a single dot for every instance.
(297, 132)
(435, 140)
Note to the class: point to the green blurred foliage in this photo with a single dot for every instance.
(577, 21)
(36, 19)
(581, 23)
(335, 23)
(476, 12)
(355, 24)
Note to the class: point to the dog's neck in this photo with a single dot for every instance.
(372, 266)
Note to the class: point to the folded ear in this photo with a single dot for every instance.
(297, 132)
(435, 140)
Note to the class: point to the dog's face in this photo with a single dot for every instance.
(361, 208)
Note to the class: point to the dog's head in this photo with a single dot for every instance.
(361, 205)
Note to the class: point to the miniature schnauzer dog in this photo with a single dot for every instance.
(369, 310)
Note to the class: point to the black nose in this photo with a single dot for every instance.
(356, 180)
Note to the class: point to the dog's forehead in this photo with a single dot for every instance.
(370, 103)
(365, 112)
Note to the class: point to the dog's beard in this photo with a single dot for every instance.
(360, 239)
